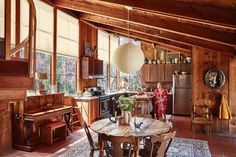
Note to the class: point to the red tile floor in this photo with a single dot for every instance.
(219, 146)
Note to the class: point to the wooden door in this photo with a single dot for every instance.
(168, 70)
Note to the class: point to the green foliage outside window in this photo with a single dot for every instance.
(66, 74)
(43, 66)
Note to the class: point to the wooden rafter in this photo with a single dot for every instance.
(152, 20)
(158, 33)
(149, 39)
(198, 11)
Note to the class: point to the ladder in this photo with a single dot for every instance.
(75, 120)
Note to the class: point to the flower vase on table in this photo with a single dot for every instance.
(125, 104)
(127, 116)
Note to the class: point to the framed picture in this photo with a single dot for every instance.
(215, 78)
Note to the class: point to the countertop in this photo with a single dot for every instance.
(107, 94)
(111, 94)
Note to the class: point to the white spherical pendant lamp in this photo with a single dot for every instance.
(128, 58)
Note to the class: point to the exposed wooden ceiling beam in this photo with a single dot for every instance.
(158, 33)
(168, 47)
(152, 21)
(151, 39)
(204, 12)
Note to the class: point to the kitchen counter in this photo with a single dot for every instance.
(86, 98)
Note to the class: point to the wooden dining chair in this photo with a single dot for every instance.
(157, 146)
(94, 146)
(141, 109)
(202, 116)
(116, 150)
(164, 140)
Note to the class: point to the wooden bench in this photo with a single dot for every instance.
(52, 132)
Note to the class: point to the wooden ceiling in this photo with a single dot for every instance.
(177, 25)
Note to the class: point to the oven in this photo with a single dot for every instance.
(104, 106)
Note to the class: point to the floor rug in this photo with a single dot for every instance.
(180, 147)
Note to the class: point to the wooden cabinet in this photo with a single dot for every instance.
(91, 67)
(160, 76)
(162, 72)
(88, 109)
(186, 68)
(168, 72)
(144, 73)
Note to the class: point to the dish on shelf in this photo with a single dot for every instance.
(184, 72)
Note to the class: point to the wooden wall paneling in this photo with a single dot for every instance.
(54, 54)
(18, 136)
(202, 61)
(5, 128)
(7, 28)
(232, 95)
(7, 94)
(89, 34)
(197, 76)
(17, 32)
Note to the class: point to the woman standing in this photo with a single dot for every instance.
(161, 100)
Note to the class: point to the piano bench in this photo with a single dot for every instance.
(52, 132)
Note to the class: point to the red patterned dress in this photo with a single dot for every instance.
(161, 101)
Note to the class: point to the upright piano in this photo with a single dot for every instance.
(36, 111)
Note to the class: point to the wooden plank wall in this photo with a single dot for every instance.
(203, 60)
(232, 95)
(5, 127)
(89, 34)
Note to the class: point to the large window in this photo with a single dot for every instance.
(43, 66)
(103, 54)
(102, 82)
(113, 78)
(66, 74)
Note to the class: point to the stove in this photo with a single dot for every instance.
(104, 105)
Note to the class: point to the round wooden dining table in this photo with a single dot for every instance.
(149, 127)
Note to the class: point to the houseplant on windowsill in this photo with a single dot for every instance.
(125, 104)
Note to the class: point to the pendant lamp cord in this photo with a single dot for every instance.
(128, 22)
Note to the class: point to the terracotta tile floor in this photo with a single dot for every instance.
(219, 146)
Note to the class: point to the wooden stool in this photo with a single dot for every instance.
(52, 132)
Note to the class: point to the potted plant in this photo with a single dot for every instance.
(125, 104)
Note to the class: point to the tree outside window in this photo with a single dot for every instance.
(43, 66)
(66, 74)
(113, 78)
(102, 82)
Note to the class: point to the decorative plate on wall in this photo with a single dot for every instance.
(215, 78)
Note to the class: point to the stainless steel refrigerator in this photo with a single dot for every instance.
(182, 97)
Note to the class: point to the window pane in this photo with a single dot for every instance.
(113, 84)
(43, 66)
(112, 71)
(134, 81)
(66, 74)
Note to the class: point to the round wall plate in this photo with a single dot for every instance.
(215, 78)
